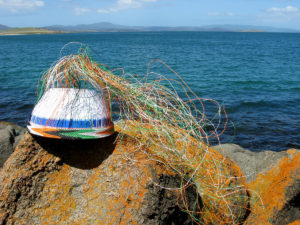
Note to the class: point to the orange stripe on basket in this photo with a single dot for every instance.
(43, 132)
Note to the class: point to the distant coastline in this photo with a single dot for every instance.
(37, 31)
(109, 27)
(28, 30)
(251, 31)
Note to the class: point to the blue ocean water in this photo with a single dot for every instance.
(255, 75)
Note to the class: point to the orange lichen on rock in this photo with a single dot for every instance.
(89, 182)
(229, 203)
(128, 179)
(270, 189)
(122, 179)
(56, 194)
(26, 166)
(295, 223)
(219, 180)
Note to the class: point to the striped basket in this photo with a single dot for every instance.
(70, 113)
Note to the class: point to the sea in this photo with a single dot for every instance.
(255, 76)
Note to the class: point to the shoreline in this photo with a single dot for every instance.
(10, 34)
(17, 34)
(27, 30)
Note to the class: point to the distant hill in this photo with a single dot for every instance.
(3, 27)
(106, 26)
(26, 30)
(239, 28)
(110, 27)
(95, 27)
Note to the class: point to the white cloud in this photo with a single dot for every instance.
(280, 15)
(125, 4)
(81, 11)
(287, 9)
(21, 5)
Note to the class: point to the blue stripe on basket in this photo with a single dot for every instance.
(70, 123)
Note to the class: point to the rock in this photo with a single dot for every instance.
(47, 181)
(296, 222)
(251, 163)
(273, 183)
(109, 181)
(10, 135)
(279, 190)
(219, 180)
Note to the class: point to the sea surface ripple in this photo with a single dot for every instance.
(255, 75)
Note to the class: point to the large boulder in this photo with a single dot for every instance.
(114, 181)
(10, 135)
(118, 180)
(48, 181)
(273, 183)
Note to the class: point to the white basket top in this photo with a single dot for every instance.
(71, 104)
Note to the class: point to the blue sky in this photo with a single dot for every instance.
(278, 13)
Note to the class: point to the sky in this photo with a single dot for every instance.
(38, 13)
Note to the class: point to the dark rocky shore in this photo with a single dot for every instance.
(52, 182)
(10, 136)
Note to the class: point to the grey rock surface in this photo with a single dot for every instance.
(251, 163)
(10, 136)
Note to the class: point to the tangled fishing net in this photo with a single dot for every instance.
(174, 130)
